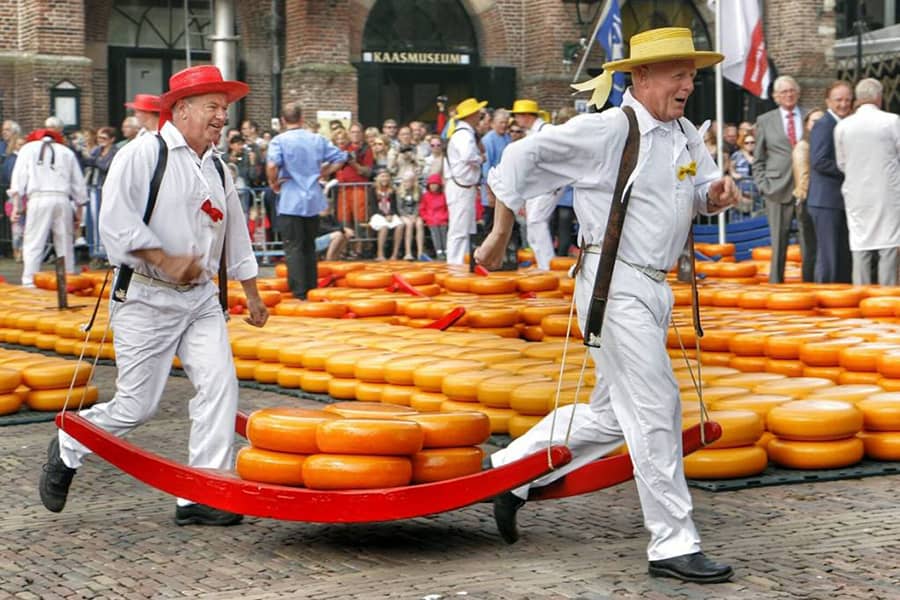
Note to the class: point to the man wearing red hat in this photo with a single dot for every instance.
(172, 306)
(47, 173)
(146, 110)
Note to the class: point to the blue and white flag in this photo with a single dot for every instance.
(609, 36)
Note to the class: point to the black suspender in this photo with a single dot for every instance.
(123, 279)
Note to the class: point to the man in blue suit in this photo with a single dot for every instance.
(825, 201)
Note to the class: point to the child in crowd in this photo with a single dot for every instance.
(433, 210)
(383, 208)
(332, 238)
(408, 196)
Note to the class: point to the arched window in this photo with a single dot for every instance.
(641, 15)
(159, 24)
(422, 25)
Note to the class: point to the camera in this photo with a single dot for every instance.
(406, 148)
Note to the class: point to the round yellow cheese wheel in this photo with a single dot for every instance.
(55, 399)
(348, 471)
(372, 368)
(10, 379)
(382, 437)
(453, 429)
(746, 380)
(289, 377)
(430, 377)
(266, 466)
(438, 464)
(315, 382)
(496, 391)
(725, 463)
(816, 455)
(540, 397)
(739, 427)
(761, 404)
(367, 391)
(881, 445)
(342, 389)
(10, 402)
(286, 429)
(402, 369)
(881, 412)
(463, 386)
(267, 372)
(795, 387)
(848, 393)
(520, 424)
(815, 420)
(395, 394)
(426, 401)
(56, 373)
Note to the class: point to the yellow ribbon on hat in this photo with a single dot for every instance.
(601, 85)
(688, 169)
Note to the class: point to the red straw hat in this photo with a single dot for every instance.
(144, 102)
(196, 81)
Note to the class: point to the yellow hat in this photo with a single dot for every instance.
(648, 47)
(469, 106)
(525, 107)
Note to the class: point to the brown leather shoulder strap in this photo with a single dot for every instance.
(614, 223)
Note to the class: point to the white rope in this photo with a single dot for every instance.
(697, 381)
(87, 336)
(562, 368)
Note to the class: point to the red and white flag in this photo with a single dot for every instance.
(746, 62)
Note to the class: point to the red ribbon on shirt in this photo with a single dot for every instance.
(214, 213)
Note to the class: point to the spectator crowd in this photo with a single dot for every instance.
(387, 194)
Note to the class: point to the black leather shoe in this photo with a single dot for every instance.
(201, 514)
(506, 505)
(691, 567)
(56, 478)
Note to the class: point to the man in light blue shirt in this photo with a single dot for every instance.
(296, 160)
(494, 142)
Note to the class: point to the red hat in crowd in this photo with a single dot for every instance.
(144, 102)
(39, 134)
(196, 81)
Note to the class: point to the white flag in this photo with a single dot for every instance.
(746, 62)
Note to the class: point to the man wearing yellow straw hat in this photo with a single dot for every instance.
(538, 209)
(636, 398)
(462, 174)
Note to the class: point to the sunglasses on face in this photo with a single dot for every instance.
(515, 131)
(749, 141)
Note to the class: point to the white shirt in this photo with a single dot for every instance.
(536, 126)
(585, 153)
(867, 150)
(178, 226)
(798, 122)
(463, 164)
(57, 173)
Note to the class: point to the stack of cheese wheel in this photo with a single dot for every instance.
(735, 454)
(360, 445)
(10, 401)
(881, 423)
(815, 434)
(48, 379)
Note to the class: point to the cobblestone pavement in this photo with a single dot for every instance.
(116, 539)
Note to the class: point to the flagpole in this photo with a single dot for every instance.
(720, 126)
(587, 50)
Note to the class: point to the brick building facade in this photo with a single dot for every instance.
(313, 51)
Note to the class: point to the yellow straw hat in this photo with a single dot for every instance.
(648, 47)
(525, 107)
(468, 107)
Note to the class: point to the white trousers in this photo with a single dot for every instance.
(153, 325)
(538, 212)
(47, 214)
(636, 400)
(461, 223)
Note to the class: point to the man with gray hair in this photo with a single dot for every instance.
(130, 129)
(867, 150)
(777, 132)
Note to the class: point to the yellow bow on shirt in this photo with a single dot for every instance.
(688, 169)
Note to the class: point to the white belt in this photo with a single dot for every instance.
(153, 282)
(657, 275)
